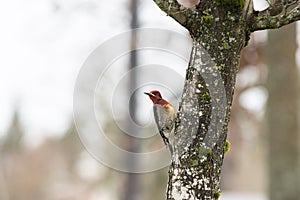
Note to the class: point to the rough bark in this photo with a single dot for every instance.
(282, 115)
(220, 29)
(278, 14)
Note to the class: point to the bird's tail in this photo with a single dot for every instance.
(171, 149)
(167, 142)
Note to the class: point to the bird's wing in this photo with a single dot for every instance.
(160, 116)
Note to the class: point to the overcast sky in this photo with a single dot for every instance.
(43, 45)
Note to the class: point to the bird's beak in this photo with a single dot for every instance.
(149, 94)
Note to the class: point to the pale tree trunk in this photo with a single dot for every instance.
(220, 29)
(282, 115)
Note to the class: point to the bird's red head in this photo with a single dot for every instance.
(156, 97)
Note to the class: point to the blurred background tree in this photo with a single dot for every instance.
(283, 114)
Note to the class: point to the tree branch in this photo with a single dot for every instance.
(175, 10)
(275, 16)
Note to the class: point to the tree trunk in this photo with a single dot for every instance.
(204, 112)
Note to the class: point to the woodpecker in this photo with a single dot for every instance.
(164, 116)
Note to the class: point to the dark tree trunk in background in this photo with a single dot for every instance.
(132, 183)
(283, 115)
